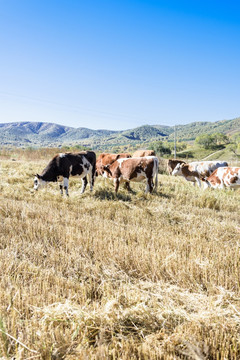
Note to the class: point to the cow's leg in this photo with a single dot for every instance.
(156, 181)
(149, 186)
(65, 185)
(222, 184)
(127, 186)
(198, 181)
(91, 180)
(116, 183)
(84, 184)
(61, 188)
(152, 185)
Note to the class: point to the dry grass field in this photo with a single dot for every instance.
(99, 276)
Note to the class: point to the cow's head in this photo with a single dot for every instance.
(38, 182)
(178, 169)
(106, 171)
(99, 170)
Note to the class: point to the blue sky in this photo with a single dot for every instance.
(119, 64)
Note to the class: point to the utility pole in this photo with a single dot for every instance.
(175, 142)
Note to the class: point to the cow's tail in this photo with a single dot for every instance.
(155, 172)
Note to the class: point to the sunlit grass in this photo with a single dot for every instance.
(105, 276)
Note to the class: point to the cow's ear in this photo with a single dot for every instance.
(181, 165)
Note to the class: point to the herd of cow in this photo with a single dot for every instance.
(142, 165)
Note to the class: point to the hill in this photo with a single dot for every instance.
(44, 134)
(192, 130)
(25, 134)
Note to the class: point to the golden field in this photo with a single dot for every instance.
(132, 276)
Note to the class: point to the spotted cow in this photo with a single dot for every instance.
(196, 171)
(65, 164)
(224, 177)
(133, 169)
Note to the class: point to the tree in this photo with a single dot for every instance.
(161, 148)
(212, 141)
(205, 140)
(180, 145)
(221, 138)
(235, 144)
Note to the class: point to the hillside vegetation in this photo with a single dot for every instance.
(192, 130)
(132, 276)
(30, 134)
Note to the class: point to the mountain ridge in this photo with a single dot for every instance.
(22, 134)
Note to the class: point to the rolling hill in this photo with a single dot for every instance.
(39, 134)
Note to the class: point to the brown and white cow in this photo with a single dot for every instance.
(224, 177)
(108, 159)
(196, 171)
(142, 153)
(65, 164)
(172, 163)
(105, 159)
(134, 169)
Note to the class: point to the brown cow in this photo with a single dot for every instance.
(108, 159)
(133, 169)
(142, 153)
(172, 163)
(105, 159)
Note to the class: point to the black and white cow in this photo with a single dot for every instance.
(65, 164)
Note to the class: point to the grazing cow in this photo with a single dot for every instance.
(108, 159)
(172, 163)
(197, 170)
(142, 153)
(105, 159)
(223, 177)
(64, 165)
(133, 169)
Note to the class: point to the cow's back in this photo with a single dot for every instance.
(131, 168)
(90, 156)
(77, 158)
(225, 177)
(143, 153)
(108, 159)
(206, 168)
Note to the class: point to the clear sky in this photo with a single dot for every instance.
(118, 64)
